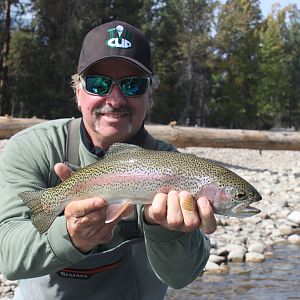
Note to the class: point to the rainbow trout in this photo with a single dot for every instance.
(130, 174)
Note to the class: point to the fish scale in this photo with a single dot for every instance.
(129, 173)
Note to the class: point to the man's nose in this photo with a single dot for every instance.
(115, 97)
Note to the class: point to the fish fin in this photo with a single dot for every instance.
(190, 204)
(118, 148)
(42, 216)
(115, 210)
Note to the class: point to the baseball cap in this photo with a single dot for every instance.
(115, 39)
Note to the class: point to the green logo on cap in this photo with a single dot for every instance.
(119, 37)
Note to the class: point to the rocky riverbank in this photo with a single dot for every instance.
(276, 175)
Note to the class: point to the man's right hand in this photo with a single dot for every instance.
(86, 223)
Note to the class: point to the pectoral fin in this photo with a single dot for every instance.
(115, 210)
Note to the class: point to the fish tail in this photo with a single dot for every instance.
(42, 215)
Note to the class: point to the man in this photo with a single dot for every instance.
(81, 256)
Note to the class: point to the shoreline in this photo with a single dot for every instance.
(275, 174)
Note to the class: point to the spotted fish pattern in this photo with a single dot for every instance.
(129, 173)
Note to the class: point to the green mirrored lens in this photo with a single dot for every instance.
(133, 86)
(98, 85)
(101, 85)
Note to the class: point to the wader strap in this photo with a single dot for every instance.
(72, 146)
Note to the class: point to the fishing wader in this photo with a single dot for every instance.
(120, 273)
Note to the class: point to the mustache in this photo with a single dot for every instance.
(106, 109)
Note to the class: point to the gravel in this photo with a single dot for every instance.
(276, 175)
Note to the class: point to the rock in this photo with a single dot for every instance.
(11, 282)
(285, 229)
(254, 257)
(217, 259)
(267, 192)
(223, 251)
(236, 247)
(257, 247)
(275, 233)
(294, 217)
(279, 240)
(236, 255)
(6, 289)
(214, 268)
(268, 254)
(283, 213)
(267, 224)
(213, 251)
(294, 239)
(211, 266)
(2, 278)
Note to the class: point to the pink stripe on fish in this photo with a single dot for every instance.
(109, 179)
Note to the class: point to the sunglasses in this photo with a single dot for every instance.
(102, 85)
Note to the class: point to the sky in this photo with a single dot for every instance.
(266, 5)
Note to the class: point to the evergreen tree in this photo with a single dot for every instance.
(235, 80)
(278, 89)
(166, 38)
(291, 105)
(197, 51)
(273, 83)
(4, 97)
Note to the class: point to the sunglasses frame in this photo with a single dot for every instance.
(113, 83)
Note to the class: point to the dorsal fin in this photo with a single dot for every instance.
(119, 148)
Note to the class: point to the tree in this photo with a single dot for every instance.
(278, 88)
(291, 105)
(165, 31)
(197, 62)
(274, 82)
(4, 98)
(237, 42)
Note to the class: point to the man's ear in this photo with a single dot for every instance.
(78, 92)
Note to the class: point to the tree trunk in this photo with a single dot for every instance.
(192, 136)
(4, 98)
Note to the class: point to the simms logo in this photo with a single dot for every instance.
(84, 274)
(74, 275)
(119, 37)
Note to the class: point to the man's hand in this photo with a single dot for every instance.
(86, 218)
(86, 223)
(168, 211)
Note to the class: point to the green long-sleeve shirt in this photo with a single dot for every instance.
(27, 164)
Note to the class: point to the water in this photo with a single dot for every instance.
(278, 278)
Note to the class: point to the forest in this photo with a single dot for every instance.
(220, 64)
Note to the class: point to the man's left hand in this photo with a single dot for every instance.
(168, 211)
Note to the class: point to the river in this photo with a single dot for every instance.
(278, 278)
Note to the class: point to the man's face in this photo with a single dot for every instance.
(114, 117)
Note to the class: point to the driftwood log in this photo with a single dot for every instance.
(226, 138)
(9, 126)
(191, 136)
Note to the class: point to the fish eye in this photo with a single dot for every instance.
(240, 194)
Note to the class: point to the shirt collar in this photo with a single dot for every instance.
(137, 139)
